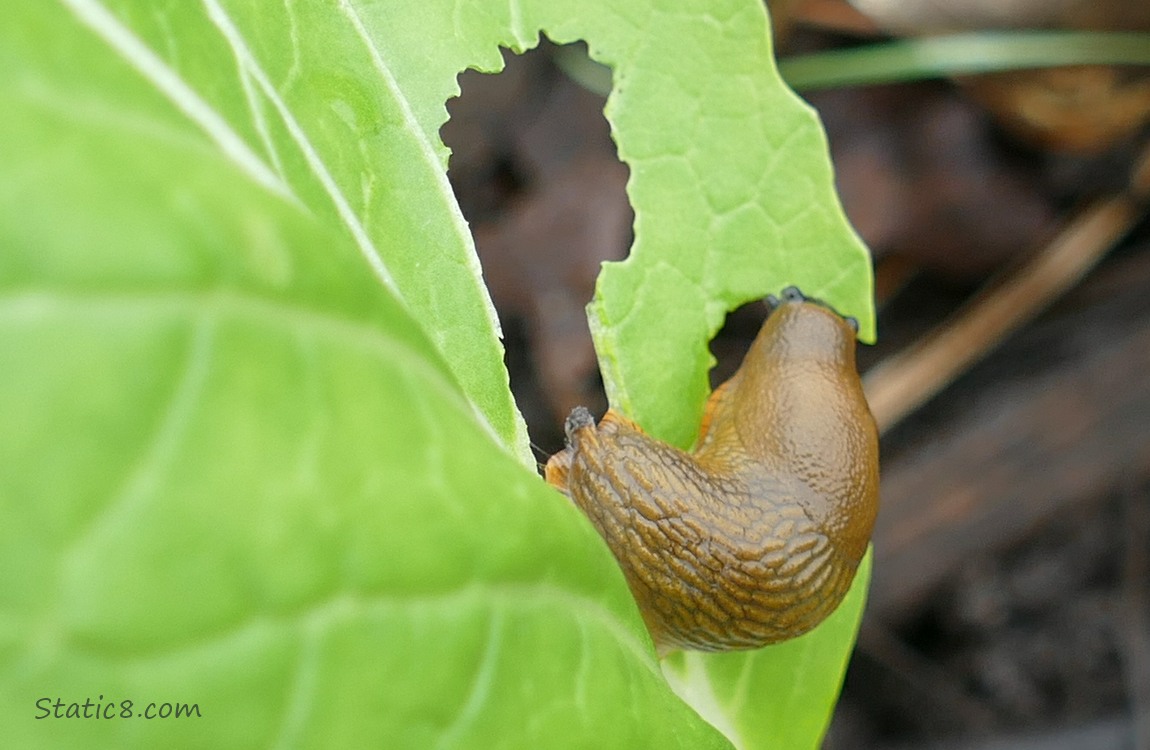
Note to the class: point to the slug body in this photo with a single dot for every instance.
(755, 536)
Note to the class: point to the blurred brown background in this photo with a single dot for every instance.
(1010, 606)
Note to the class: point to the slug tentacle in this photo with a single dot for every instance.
(755, 536)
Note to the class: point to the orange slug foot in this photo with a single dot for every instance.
(755, 536)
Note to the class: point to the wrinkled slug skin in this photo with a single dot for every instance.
(754, 537)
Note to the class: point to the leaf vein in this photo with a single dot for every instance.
(311, 155)
(480, 684)
(141, 484)
(152, 67)
(427, 153)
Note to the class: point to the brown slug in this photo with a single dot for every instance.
(755, 536)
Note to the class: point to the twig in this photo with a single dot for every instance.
(902, 383)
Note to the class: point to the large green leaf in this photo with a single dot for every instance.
(237, 473)
(258, 452)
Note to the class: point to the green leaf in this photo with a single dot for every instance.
(259, 454)
(734, 199)
(237, 472)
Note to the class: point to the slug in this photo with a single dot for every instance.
(754, 537)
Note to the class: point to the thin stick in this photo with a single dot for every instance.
(902, 383)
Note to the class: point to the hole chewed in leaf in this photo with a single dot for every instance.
(537, 177)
